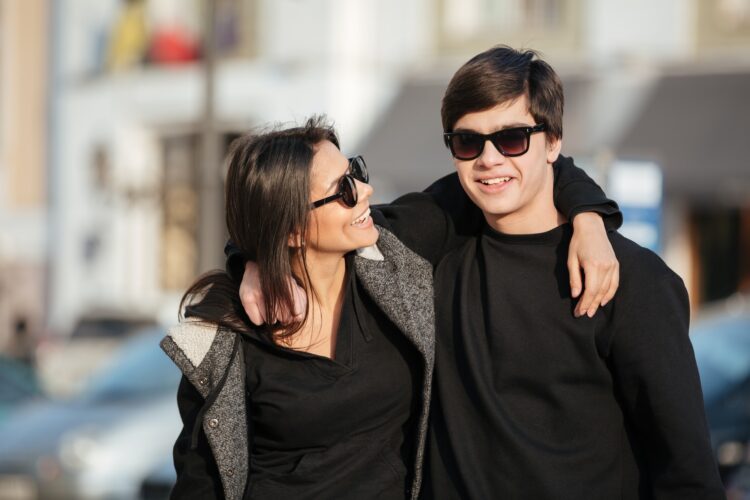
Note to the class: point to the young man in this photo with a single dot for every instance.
(528, 401)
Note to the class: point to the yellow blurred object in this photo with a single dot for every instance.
(129, 41)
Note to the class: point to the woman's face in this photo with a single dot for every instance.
(334, 227)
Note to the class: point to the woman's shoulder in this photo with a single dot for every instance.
(192, 344)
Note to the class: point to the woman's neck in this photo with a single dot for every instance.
(326, 274)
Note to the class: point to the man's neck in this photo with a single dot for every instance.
(538, 216)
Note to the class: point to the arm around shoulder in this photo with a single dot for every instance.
(575, 192)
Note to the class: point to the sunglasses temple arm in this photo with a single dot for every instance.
(329, 199)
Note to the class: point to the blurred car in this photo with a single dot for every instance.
(90, 344)
(18, 386)
(722, 351)
(101, 443)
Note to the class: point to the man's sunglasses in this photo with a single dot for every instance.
(347, 190)
(509, 142)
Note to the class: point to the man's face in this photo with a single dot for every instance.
(507, 188)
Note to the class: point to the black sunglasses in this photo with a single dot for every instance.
(509, 142)
(347, 187)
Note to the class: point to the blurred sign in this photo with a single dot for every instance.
(637, 187)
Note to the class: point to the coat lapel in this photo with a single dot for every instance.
(401, 285)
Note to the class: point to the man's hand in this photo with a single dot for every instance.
(254, 303)
(591, 251)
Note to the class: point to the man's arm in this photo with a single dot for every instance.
(656, 376)
(575, 192)
(441, 218)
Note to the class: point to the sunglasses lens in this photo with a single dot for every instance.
(359, 169)
(466, 146)
(513, 142)
(348, 189)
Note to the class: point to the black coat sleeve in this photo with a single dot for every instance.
(575, 193)
(656, 377)
(197, 474)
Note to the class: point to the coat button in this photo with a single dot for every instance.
(213, 423)
(230, 472)
(203, 381)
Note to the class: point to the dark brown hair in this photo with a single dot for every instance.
(267, 202)
(502, 74)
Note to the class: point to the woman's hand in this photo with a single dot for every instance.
(254, 303)
(591, 251)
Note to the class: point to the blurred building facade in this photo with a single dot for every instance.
(134, 147)
(23, 180)
(131, 122)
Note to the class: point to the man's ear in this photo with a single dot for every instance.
(553, 150)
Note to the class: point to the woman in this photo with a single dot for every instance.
(335, 403)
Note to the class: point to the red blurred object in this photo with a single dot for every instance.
(172, 46)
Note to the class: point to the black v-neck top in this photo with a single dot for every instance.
(334, 428)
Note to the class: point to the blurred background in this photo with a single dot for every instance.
(116, 114)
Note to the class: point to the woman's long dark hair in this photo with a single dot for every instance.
(267, 202)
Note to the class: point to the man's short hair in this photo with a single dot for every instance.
(502, 74)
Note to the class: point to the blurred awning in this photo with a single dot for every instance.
(696, 127)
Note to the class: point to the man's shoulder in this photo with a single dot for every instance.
(639, 265)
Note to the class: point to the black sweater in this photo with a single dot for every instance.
(531, 402)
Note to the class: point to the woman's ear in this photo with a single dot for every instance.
(296, 241)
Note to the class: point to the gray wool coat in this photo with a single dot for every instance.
(400, 283)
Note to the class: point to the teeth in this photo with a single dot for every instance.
(497, 180)
(362, 219)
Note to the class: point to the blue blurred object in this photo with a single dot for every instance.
(102, 443)
(722, 351)
(18, 385)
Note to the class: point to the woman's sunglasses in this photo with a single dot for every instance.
(509, 142)
(347, 190)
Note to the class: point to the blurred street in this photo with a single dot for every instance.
(115, 116)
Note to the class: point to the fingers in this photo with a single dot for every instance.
(603, 287)
(250, 296)
(253, 305)
(300, 301)
(574, 270)
(614, 284)
(592, 283)
(299, 305)
(601, 283)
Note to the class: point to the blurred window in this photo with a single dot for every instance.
(473, 25)
(179, 248)
(720, 259)
(723, 24)
(181, 202)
